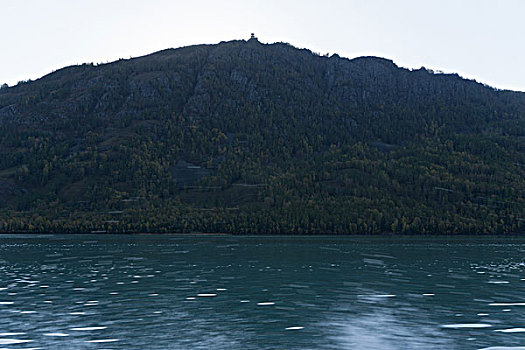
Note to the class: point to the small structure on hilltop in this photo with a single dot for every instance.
(253, 37)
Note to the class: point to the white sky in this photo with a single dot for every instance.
(479, 39)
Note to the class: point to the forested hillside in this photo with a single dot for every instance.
(244, 137)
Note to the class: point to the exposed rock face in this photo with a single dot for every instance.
(186, 173)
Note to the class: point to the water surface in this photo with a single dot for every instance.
(223, 292)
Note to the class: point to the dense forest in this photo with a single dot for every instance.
(243, 137)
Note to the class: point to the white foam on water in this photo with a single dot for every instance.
(77, 313)
(102, 341)
(206, 295)
(376, 295)
(510, 330)
(507, 304)
(504, 348)
(190, 298)
(294, 328)
(88, 328)
(499, 282)
(10, 334)
(466, 325)
(266, 303)
(28, 312)
(6, 302)
(221, 289)
(113, 293)
(245, 301)
(483, 314)
(428, 294)
(153, 294)
(56, 335)
(13, 341)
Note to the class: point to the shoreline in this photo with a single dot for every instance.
(223, 234)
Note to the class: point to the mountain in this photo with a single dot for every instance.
(245, 137)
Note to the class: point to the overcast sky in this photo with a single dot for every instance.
(479, 39)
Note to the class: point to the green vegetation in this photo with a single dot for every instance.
(242, 137)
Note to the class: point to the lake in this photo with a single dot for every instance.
(272, 292)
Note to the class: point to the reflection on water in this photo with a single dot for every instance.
(211, 292)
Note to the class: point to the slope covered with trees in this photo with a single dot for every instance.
(243, 137)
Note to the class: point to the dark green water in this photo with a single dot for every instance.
(211, 292)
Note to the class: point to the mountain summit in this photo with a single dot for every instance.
(245, 137)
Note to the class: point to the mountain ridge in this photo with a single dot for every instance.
(284, 44)
(299, 136)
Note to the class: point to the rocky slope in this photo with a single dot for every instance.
(244, 137)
